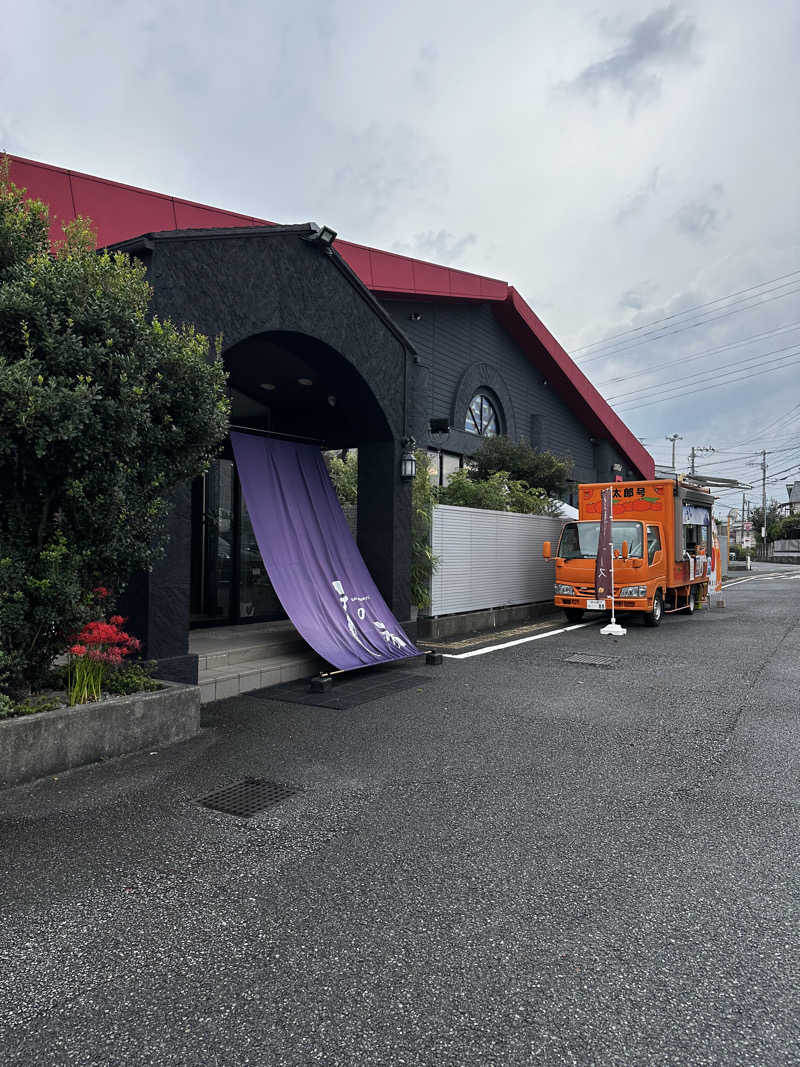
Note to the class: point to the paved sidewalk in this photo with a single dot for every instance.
(523, 860)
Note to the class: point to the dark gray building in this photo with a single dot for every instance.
(342, 345)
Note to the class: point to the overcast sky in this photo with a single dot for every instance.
(620, 164)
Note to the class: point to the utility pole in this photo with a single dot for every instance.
(695, 452)
(764, 500)
(673, 438)
(744, 516)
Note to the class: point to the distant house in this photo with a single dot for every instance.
(794, 498)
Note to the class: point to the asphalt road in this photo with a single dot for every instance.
(522, 860)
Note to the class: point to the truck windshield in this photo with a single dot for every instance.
(579, 539)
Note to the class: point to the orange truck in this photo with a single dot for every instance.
(661, 535)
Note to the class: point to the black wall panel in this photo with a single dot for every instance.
(463, 344)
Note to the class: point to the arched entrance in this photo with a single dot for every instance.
(294, 386)
(287, 308)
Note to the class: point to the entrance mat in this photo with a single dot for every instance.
(345, 692)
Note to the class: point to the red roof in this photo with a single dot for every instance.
(122, 211)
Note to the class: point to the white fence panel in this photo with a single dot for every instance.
(489, 559)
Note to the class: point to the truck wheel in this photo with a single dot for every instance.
(691, 605)
(573, 614)
(653, 616)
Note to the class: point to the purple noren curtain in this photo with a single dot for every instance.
(311, 557)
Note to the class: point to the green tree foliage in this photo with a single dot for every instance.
(344, 475)
(788, 528)
(775, 517)
(539, 470)
(102, 410)
(423, 561)
(498, 492)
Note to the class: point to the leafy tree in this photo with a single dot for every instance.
(521, 462)
(344, 475)
(775, 517)
(788, 528)
(103, 409)
(498, 492)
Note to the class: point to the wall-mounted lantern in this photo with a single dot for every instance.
(408, 463)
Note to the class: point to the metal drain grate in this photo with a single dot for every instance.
(591, 661)
(248, 797)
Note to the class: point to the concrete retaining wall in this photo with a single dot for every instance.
(477, 622)
(33, 746)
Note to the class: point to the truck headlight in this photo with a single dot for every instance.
(564, 590)
(633, 591)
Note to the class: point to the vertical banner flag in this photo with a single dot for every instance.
(311, 557)
(715, 581)
(602, 580)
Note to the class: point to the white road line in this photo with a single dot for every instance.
(762, 578)
(519, 641)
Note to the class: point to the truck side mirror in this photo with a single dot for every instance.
(546, 550)
(624, 549)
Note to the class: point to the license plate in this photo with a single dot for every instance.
(596, 605)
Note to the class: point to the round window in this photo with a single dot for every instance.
(482, 417)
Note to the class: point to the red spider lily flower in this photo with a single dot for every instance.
(116, 620)
(101, 592)
(78, 650)
(99, 633)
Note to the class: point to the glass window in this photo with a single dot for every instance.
(442, 465)
(212, 523)
(450, 464)
(579, 539)
(434, 467)
(256, 595)
(653, 542)
(482, 417)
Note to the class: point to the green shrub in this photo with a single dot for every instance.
(132, 678)
(10, 709)
(499, 492)
(344, 475)
(423, 561)
(103, 410)
(521, 463)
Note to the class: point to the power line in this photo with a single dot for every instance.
(687, 311)
(721, 369)
(705, 388)
(679, 389)
(772, 425)
(686, 326)
(700, 355)
(780, 419)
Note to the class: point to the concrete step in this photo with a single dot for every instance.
(281, 645)
(232, 679)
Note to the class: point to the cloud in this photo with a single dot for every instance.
(441, 246)
(662, 38)
(425, 67)
(388, 165)
(636, 203)
(637, 299)
(701, 217)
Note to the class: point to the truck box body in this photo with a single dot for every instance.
(665, 526)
